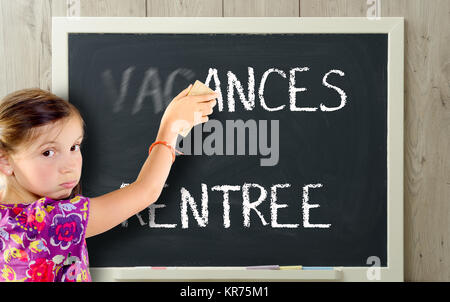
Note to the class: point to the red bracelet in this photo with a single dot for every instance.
(167, 145)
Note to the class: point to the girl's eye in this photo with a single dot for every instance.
(79, 146)
(47, 152)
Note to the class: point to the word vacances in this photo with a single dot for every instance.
(216, 133)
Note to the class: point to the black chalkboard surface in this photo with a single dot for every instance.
(296, 175)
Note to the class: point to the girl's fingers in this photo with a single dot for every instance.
(207, 111)
(199, 118)
(206, 108)
(201, 114)
(205, 97)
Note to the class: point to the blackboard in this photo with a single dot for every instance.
(331, 162)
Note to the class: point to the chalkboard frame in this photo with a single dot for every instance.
(393, 26)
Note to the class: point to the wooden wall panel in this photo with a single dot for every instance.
(25, 51)
(427, 136)
(261, 8)
(113, 8)
(184, 8)
(333, 8)
(59, 8)
(427, 126)
(99, 8)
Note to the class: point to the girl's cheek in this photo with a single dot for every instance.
(45, 172)
(33, 174)
(80, 161)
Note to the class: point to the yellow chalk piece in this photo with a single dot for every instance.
(291, 267)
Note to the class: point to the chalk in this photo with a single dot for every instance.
(211, 268)
(192, 267)
(291, 267)
(326, 268)
(157, 267)
(274, 267)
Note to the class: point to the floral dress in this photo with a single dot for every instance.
(44, 240)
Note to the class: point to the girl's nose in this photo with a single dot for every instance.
(70, 164)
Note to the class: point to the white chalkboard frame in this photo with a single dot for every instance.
(394, 27)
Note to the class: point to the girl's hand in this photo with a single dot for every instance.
(184, 112)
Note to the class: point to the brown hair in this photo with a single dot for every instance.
(24, 110)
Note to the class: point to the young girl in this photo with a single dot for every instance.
(44, 218)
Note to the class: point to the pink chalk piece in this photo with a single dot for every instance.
(273, 267)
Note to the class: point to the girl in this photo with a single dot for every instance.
(44, 218)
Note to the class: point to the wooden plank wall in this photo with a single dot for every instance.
(25, 61)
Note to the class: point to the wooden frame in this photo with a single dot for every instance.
(394, 27)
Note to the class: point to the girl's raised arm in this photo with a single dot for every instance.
(109, 210)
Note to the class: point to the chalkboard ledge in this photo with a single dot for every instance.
(206, 274)
(239, 274)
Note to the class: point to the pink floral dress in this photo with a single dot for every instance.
(44, 240)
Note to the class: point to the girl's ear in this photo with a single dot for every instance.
(5, 166)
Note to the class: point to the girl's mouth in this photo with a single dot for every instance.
(68, 185)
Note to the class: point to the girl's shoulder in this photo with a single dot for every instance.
(46, 201)
(46, 217)
(46, 207)
(46, 236)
